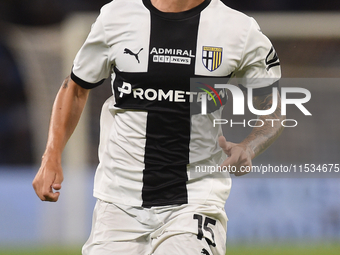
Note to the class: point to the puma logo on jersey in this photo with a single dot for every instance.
(127, 51)
(205, 252)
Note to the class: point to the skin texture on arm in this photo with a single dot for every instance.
(241, 154)
(67, 108)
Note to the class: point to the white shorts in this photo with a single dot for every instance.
(164, 230)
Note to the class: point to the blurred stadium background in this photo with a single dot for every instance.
(38, 41)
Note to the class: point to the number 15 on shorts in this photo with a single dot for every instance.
(203, 225)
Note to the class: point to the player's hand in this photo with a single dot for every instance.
(239, 156)
(47, 181)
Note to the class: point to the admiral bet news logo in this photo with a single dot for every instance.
(239, 99)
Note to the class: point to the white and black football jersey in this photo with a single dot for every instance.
(149, 140)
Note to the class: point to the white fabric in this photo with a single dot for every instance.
(127, 230)
(126, 23)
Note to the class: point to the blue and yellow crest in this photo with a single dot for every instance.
(212, 57)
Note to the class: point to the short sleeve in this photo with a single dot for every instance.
(259, 66)
(91, 65)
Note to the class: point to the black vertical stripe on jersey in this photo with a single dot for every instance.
(168, 133)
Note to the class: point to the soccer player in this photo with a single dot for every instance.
(148, 201)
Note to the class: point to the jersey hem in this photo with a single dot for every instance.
(109, 199)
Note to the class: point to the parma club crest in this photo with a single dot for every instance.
(212, 57)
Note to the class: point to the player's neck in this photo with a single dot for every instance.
(175, 5)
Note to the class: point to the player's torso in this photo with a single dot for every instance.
(153, 57)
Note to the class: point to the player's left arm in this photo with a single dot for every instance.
(242, 154)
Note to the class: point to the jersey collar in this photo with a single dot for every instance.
(177, 15)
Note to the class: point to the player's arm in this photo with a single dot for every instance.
(66, 111)
(259, 139)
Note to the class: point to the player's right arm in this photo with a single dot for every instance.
(67, 108)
